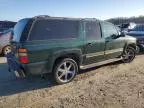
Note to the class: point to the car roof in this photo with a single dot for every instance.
(66, 18)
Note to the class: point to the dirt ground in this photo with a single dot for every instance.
(115, 85)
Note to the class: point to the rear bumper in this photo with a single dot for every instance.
(37, 68)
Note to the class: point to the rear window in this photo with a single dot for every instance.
(54, 29)
(18, 29)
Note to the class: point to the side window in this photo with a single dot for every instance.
(93, 31)
(54, 29)
(108, 29)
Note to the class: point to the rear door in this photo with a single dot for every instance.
(113, 46)
(94, 44)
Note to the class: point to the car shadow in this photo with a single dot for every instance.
(30, 83)
(13, 86)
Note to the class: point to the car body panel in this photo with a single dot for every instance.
(49, 51)
(95, 51)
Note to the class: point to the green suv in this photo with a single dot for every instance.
(62, 46)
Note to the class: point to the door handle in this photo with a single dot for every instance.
(89, 44)
(107, 41)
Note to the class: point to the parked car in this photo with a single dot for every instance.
(126, 27)
(5, 38)
(62, 46)
(138, 33)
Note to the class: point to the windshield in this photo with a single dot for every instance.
(18, 29)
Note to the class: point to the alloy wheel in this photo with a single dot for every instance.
(128, 55)
(66, 71)
(7, 49)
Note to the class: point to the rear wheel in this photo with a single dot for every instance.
(65, 71)
(128, 55)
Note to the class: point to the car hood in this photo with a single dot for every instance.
(136, 34)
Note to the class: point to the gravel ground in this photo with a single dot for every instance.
(115, 85)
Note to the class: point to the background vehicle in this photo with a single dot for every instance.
(62, 46)
(5, 39)
(138, 33)
(126, 27)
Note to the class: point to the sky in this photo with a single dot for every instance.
(15, 10)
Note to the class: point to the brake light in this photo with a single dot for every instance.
(23, 57)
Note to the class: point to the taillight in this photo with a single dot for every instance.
(23, 57)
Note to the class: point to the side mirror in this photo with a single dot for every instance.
(122, 34)
(114, 36)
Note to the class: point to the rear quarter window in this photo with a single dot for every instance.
(54, 29)
(18, 29)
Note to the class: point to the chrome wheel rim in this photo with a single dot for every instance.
(66, 71)
(7, 50)
(128, 55)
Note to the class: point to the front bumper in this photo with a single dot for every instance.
(140, 46)
(140, 43)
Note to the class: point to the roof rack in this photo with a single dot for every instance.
(68, 18)
(41, 16)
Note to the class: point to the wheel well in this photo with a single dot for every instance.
(132, 45)
(72, 56)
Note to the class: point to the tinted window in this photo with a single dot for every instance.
(54, 29)
(108, 29)
(93, 30)
(18, 29)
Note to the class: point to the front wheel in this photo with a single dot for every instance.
(65, 71)
(128, 55)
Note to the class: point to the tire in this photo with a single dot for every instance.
(138, 49)
(65, 71)
(6, 50)
(128, 55)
